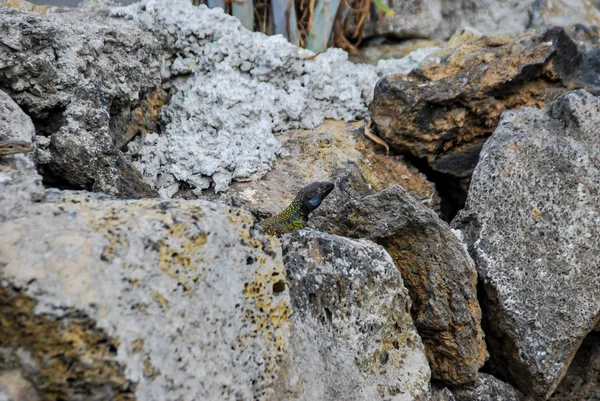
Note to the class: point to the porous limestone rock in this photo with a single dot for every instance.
(354, 338)
(445, 110)
(235, 89)
(335, 151)
(437, 270)
(439, 19)
(486, 388)
(532, 226)
(77, 74)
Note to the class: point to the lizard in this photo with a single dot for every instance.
(295, 216)
(11, 147)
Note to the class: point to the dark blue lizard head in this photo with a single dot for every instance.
(312, 195)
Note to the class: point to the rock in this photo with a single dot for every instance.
(19, 181)
(335, 151)
(582, 381)
(212, 134)
(27, 6)
(92, 280)
(531, 224)
(439, 19)
(441, 394)
(487, 388)
(14, 387)
(438, 272)
(76, 74)
(354, 336)
(444, 111)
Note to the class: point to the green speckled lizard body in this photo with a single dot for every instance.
(295, 216)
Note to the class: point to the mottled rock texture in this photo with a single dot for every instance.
(14, 387)
(437, 270)
(582, 381)
(78, 74)
(439, 19)
(335, 151)
(444, 111)
(486, 388)
(531, 224)
(354, 337)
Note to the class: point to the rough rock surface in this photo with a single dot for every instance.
(213, 134)
(444, 111)
(439, 19)
(14, 387)
(486, 388)
(582, 381)
(51, 66)
(335, 151)
(437, 270)
(328, 277)
(531, 224)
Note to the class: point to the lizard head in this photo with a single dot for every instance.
(312, 195)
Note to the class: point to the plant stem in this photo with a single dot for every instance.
(325, 11)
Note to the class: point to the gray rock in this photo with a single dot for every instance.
(354, 338)
(439, 19)
(19, 180)
(531, 224)
(582, 381)
(437, 270)
(51, 66)
(487, 388)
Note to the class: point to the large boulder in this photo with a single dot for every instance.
(437, 270)
(532, 226)
(354, 338)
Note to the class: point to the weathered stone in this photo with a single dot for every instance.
(14, 387)
(76, 73)
(441, 394)
(445, 110)
(19, 181)
(354, 336)
(486, 388)
(438, 272)
(531, 224)
(23, 5)
(582, 381)
(439, 19)
(335, 151)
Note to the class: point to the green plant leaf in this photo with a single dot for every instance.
(385, 9)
